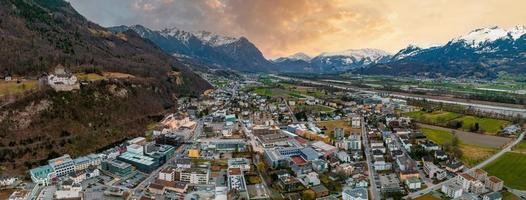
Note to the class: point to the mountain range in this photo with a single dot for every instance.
(215, 50)
(332, 61)
(482, 53)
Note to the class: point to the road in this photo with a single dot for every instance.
(480, 165)
(294, 119)
(372, 174)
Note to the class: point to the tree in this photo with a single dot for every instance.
(308, 195)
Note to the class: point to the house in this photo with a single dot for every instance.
(288, 183)
(479, 174)
(494, 184)
(320, 191)
(492, 196)
(345, 169)
(355, 194)
(430, 146)
(434, 171)
(343, 156)
(413, 183)
(466, 180)
(440, 155)
(380, 164)
(452, 189)
(389, 183)
(454, 166)
(320, 166)
(338, 133)
(310, 179)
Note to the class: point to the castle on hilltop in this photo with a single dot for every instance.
(62, 80)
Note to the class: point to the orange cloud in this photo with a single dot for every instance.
(284, 27)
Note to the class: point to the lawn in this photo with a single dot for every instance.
(441, 118)
(521, 147)
(436, 117)
(330, 125)
(12, 87)
(89, 77)
(511, 168)
(276, 92)
(472, 154)
(509, 196)
(315, 108)
(428, 196)
(490, 126)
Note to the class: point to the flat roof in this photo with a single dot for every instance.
(298, 160)
(137, 158)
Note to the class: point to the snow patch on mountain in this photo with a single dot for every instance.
(478, 37)
(300, 56)
(358, 54)
(214, 39)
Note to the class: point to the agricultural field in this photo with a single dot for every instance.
(511, 168)
(276, 92)
(443, 118)
(472, 154)
(12, 87)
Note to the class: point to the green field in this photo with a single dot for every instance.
(89, 77)
(509, 196)
(442, 118)
(472, 154)
(488, 125)
(521, 147)
(276, 92)
(427, 196)
(511, 168)
(314, 108)
(12, 87)
(436, 117)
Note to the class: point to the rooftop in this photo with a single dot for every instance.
(137, 158)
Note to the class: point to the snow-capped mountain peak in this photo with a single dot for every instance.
(517, 32)
(300, 56)
(359, 54)
(177, 33)
(214, 39)
(478, 37)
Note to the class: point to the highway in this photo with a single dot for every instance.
(480, 165)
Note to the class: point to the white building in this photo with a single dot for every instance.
(167, 174)
(195, 175)
(355, 194)
(61, 80)
(63, 165)
(343, 156)
(452, 190)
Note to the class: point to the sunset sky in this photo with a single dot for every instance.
(284, 27)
